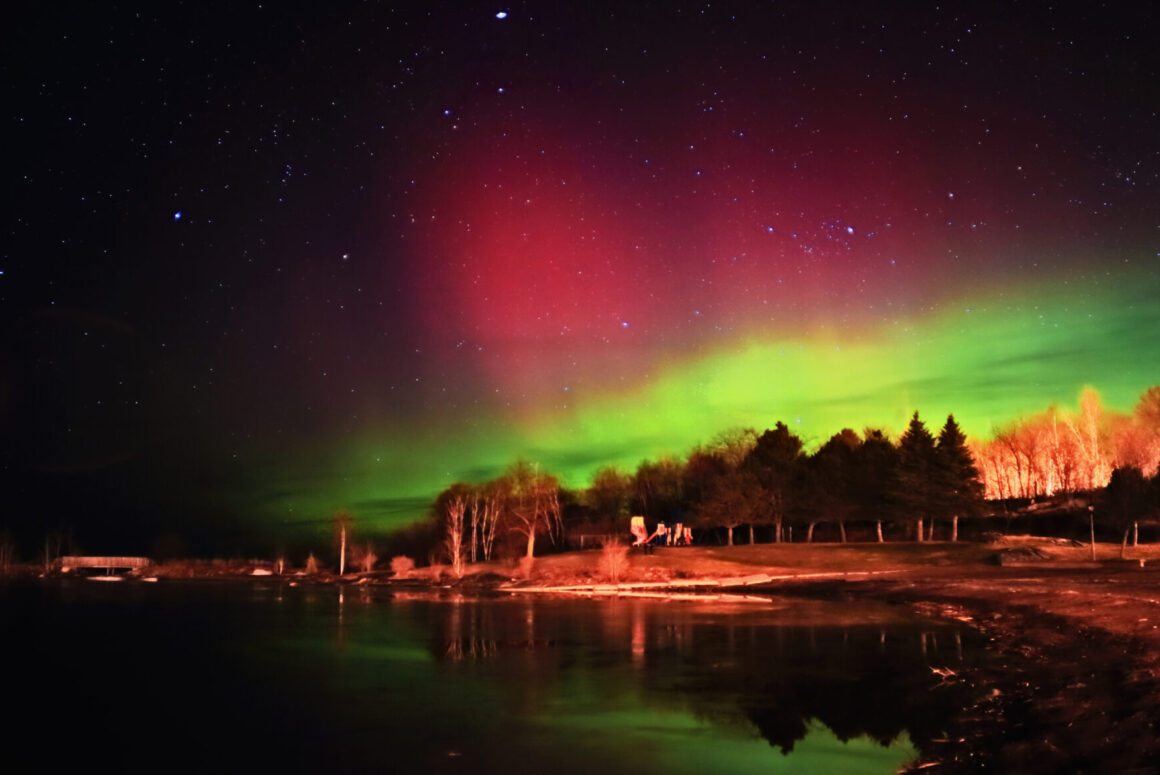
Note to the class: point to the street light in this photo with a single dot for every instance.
(1092, 525)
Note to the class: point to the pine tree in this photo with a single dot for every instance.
(959, 484)
(917, 472)
(876, 478)
(776, 461)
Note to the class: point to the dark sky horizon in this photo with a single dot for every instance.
(264, 263)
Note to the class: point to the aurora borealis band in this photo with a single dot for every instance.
(264, 264)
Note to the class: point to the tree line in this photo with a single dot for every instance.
(743, 478)
(1063, 451)
(770, 485)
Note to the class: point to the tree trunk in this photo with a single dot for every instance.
(342, 551)
(918, 532)
(954, 528)
(930, 530)
(1135, 534)
(1124, 543)
(842, 529)
(810, 533)
(752, 540)
(730, 529)
(531, 540)
(881, 540)
(777, 530)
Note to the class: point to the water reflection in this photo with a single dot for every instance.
(235, 677)
(784, 671)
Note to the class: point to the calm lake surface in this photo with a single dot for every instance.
(233, 677)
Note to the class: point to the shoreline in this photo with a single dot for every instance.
(1075, 680)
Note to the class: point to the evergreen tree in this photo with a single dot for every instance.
(917, 492)
(831, 481)
(1125, 500)
(775, 461)
(959, 484)
(876, 477)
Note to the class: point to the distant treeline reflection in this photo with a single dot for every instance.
(737, 669)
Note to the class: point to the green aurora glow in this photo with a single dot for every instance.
(986, 359)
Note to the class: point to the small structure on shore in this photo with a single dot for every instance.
(68, 564)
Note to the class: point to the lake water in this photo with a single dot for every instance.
(235, 677)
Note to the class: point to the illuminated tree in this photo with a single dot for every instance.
(488, 510)
(452, 511)
(1147, 411)
(1146, 417)
(367, 558)
(342, 520)
(533, 504)
(1089, 434)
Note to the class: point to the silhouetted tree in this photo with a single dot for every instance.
(610, 491)
(699, 478)
(733, 445)
(1125, 500)
(657, 488)
(830, 481)
(876, 478)
(960, 489)
(737, 499)
(917, 468)
(775, 461)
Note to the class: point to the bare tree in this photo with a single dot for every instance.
(456, 508)
(7, 552)
(342, 521)
(1097, 469)
(492, 503)
(57, 543)
(364, 557)
(534, 504)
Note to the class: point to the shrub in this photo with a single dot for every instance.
(402, 565)
(613, 560)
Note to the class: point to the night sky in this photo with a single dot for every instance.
(262, 262)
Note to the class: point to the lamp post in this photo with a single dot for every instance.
(1092, 525)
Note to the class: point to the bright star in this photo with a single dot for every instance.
(501, 15)
(177, 216)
